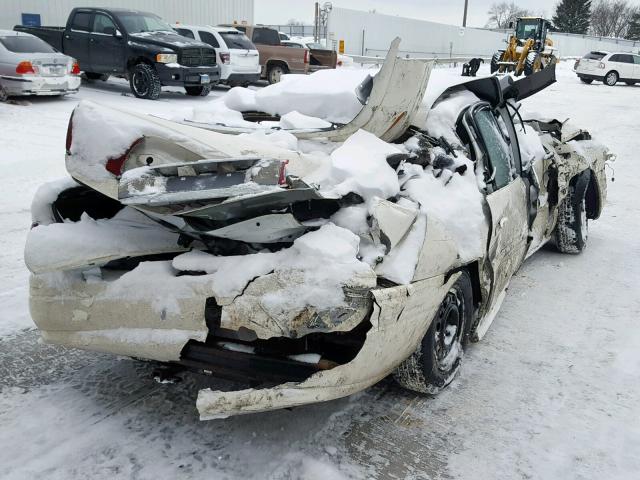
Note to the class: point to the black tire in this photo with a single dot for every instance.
(586, 80)
(611, 78)
(145, 81)
(3, 95)
(275, 72)
(572, 230)
(199, 91)
(533, 59)
(494, 67)
(630, 83)
(435, 362)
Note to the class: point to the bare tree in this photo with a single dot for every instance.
(612, 18)
(503, 13)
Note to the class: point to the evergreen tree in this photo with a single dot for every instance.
(634, 27)
(572, 16)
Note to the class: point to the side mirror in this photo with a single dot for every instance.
(510, 24)
(117, 34)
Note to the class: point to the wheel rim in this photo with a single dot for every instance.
(141, 83)
(449, 327)
(611, 79)
(276, 73)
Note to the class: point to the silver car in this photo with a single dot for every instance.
(30, 66)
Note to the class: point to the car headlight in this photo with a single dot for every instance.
(167, 58)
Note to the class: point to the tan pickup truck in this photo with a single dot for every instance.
(275, 58)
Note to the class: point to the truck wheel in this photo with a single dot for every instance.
(145, 82)
(437, 359)
(532, 64)
(199, 91)
(611, 78)
(586, 80)
(494, 61)
(572, 230)
(275, 72)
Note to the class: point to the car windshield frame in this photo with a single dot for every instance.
(152, 23)
(8, 43)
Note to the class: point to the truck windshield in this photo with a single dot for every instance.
(237, 40)
(25, 44)
(527, 29)
(143, 22)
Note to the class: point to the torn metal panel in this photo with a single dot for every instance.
(277, 227)
(88, 311)
(251, 311)
(402, 317)
(390, 222)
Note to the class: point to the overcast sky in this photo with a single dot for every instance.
(444, 11)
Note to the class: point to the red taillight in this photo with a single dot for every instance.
(115, 164)
(69, 134)
(306, 56)
(75, 69)
(25, 67)
(225, 57)
(282, 175)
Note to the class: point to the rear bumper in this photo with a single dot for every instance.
(243, 77)
(35, 85)
(589, 76)
(178, 76)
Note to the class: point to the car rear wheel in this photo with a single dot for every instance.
(199, 91)
(437, 359)
(572, 230)
(275, 72)
(586, 80)
(3, 94)
(145, 82)
(611, 79)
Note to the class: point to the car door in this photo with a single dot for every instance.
(506, 196)
(106, 48)
(76, 38)
(620, 63)
(636, 68)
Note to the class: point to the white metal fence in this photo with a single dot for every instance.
(369, 34)
(199, 12)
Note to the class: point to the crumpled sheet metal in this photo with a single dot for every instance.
(400, 313)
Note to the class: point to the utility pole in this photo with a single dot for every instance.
(464, 18)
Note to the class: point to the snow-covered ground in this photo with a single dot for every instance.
(552, 391)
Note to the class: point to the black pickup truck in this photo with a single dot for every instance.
(136, 45)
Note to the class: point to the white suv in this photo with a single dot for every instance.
(609, 68)
(238, 57)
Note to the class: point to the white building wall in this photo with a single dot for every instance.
(370, 34)
(55, 12)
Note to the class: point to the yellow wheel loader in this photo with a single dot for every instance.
(528, 49)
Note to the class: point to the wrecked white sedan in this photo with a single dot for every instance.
(315, 269)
